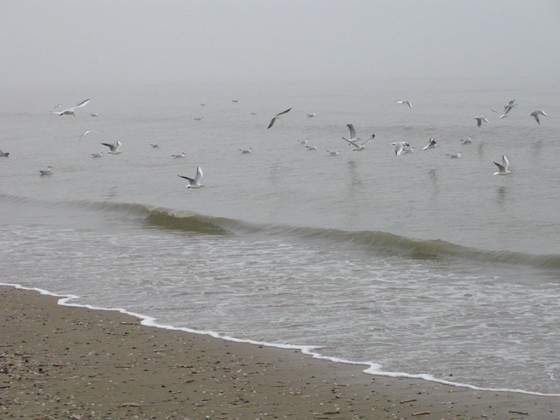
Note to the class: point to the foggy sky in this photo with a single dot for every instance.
(87, 42)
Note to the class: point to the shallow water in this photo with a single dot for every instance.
(365, 254)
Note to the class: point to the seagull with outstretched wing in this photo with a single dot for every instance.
(72, 109)
(195, 182)
(273, 120)
(503, 168)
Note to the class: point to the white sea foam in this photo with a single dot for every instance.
(372, 367)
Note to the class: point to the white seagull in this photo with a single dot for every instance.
(310, 148)
(114, 148)
(86, 133)
(96, 155)
(466, 140)
(311, 114)
(246, 151)
(72, 109)
(196, 182)
(480, 119)
(507, 108)
(402, 147)
(354, 141)
(4, 154)
(537, 113)
(432, 143)
(179, 155)
(333, 152)
(46, 172)
(154, 145)
(405, 102)
(503, 168)
(457, 155)
(273, 120)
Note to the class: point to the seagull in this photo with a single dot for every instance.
(503, 168)
(253, 113)
(154, 145)
(303, 142)
(353, 140)
(405, 102)
(311, 114)
(114, 148)
(198, 118)
(507, 108)
(196, 182)
(535, 115)
(94, 114)
(202, 104)
(466, 140)
(310, 148)
(333, 152)
(402, 147)
(235, 101)
(96, 155)
(179, 155)
(72, 109)
(246, 151)
(271, 123)
(47, 171)
(480, 120)
(4, 154)
(457, 155)
(431, 144)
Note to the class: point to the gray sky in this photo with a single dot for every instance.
(87, 42)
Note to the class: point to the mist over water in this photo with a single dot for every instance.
(421, 263)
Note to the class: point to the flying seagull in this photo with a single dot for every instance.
(432, 143)
(246, 151)
(507, 108)
(537, 113)
(179, 155)
(311, 114)
(4, 154)
(405, 102)
(114, 148)
(235, 101)
(72, 109)
(196, 182)
(457, 155)
(271, 123)
(333, 152)
(354, 141)
(503, 168)
(402, 147)
(466, 140)
(154, 145)
(96, 155)
(480, 119)
(310, 148)
(46, 172)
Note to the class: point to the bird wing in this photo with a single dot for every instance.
(284, 112)
(505, 160)
(501, 167)
(83, 103)
(352, 130)
(187, 178)
(271, 123)
(109, 145)
(353, 143)
(199, 174)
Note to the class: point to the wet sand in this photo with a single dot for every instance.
(72, 363)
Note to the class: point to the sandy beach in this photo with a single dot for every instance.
(59, 362)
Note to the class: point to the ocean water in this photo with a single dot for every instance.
(419, 264)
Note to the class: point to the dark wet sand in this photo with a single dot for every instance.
(72, 363)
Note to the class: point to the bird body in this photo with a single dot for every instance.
(179, 155)
(457, 155)
(246, 151)
(311, 114)
(96, 155)
(466, 140)
(402, 147)
(46, 172)
(333, 152)
(195, 182)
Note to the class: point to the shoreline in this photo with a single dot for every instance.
(238, 379)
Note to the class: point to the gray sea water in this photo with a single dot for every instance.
(452, 272)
